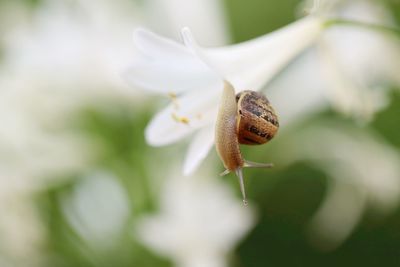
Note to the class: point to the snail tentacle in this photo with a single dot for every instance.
(239, 174)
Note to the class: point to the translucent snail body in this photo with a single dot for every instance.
(245, 118)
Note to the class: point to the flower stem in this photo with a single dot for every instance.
(376, 27)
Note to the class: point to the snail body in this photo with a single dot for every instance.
(245, 118)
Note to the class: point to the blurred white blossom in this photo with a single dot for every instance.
(205, 17)
(359, 64)
(30, 153)
(192, 76)
(22, 234)
(54, 58)
(364, 172)
(76, 46)
(97, 209)
(65, 54)
(200, 221)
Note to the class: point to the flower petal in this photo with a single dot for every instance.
(167, 77)
(156, 46)
(338, 215)
(348, 94)
(298, 90)
(197, 51)
(163, 65)
(242, 65)
(198, 149)
(183, 116)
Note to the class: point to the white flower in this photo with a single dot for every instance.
(199, 222)
(192, 77)
(183, 72)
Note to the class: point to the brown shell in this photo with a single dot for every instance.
(257, 122)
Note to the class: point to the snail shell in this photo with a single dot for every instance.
(246, 118)
(257, 122)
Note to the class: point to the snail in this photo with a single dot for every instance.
(245, 118)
